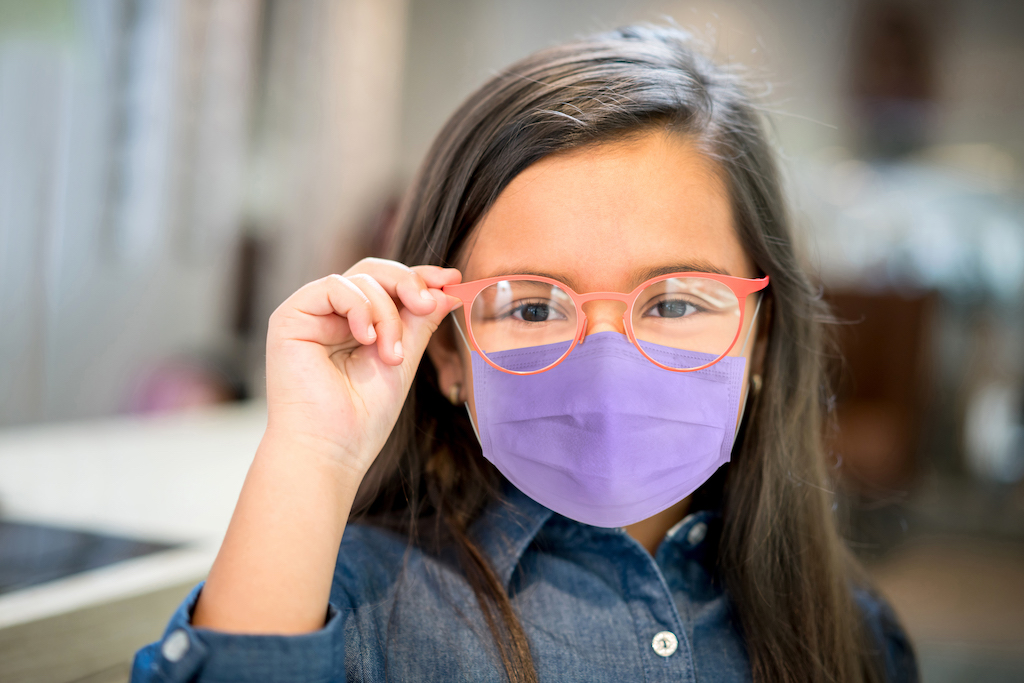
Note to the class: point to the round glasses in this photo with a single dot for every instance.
(524, 324)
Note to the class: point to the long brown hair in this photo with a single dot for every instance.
(780, 558)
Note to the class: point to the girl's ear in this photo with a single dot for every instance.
(446, 354)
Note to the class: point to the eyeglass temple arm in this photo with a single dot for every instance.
(461, 333)
(753, 320)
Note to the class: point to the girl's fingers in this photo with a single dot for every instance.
(437, 277)
(421, 328)
(399, 281)
(405, 284)
(362, 304)
(386, 320)
(332, 295)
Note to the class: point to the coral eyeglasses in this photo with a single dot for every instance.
(681, 322)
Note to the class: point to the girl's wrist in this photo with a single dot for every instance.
(319, 456)
(275, 567)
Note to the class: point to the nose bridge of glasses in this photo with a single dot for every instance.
(603, 312)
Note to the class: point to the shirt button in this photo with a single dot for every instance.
(175, 646)
(665, 643)
(697, 533)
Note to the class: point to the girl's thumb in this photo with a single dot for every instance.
(421, 327)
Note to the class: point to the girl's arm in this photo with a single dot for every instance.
(341, 356)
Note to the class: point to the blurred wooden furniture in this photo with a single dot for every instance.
(882, 386)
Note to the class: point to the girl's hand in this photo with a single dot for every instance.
(341, 355)
(342, 352)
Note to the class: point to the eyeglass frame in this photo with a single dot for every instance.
(468, 291)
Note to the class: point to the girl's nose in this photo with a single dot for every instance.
(603, 316)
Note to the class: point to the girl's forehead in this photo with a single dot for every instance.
(599, 217)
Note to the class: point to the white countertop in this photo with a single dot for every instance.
(171, 478)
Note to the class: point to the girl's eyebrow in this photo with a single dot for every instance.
(694, 266)
(638, 276)
(565, 279)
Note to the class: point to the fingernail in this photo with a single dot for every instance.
(398, 350)
(424, 294)
(371, 333)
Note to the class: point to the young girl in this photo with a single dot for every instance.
(582, 444)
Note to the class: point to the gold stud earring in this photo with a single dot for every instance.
(453, 393)
(755, 384)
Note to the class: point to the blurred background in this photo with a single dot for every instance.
(172, 170)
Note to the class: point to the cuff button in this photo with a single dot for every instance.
(175, 646)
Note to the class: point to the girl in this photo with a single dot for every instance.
(510, 464)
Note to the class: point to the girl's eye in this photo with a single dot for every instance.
(536, 312)
(671, 308)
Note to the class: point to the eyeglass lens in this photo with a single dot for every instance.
(528, 325)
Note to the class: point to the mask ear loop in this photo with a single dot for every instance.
(743, 350)
(466, 403)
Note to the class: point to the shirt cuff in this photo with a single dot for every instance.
(186, 653)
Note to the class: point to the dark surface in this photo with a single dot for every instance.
(31, 554)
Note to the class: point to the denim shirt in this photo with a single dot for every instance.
(594, 604)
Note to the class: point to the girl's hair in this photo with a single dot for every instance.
(783, 565)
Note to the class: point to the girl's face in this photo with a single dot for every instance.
(603, 218)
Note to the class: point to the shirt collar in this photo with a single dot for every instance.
(505, 529)
(508, 525)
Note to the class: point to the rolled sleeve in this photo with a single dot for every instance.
(186, 653)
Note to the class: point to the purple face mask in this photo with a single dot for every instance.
(606, 437)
